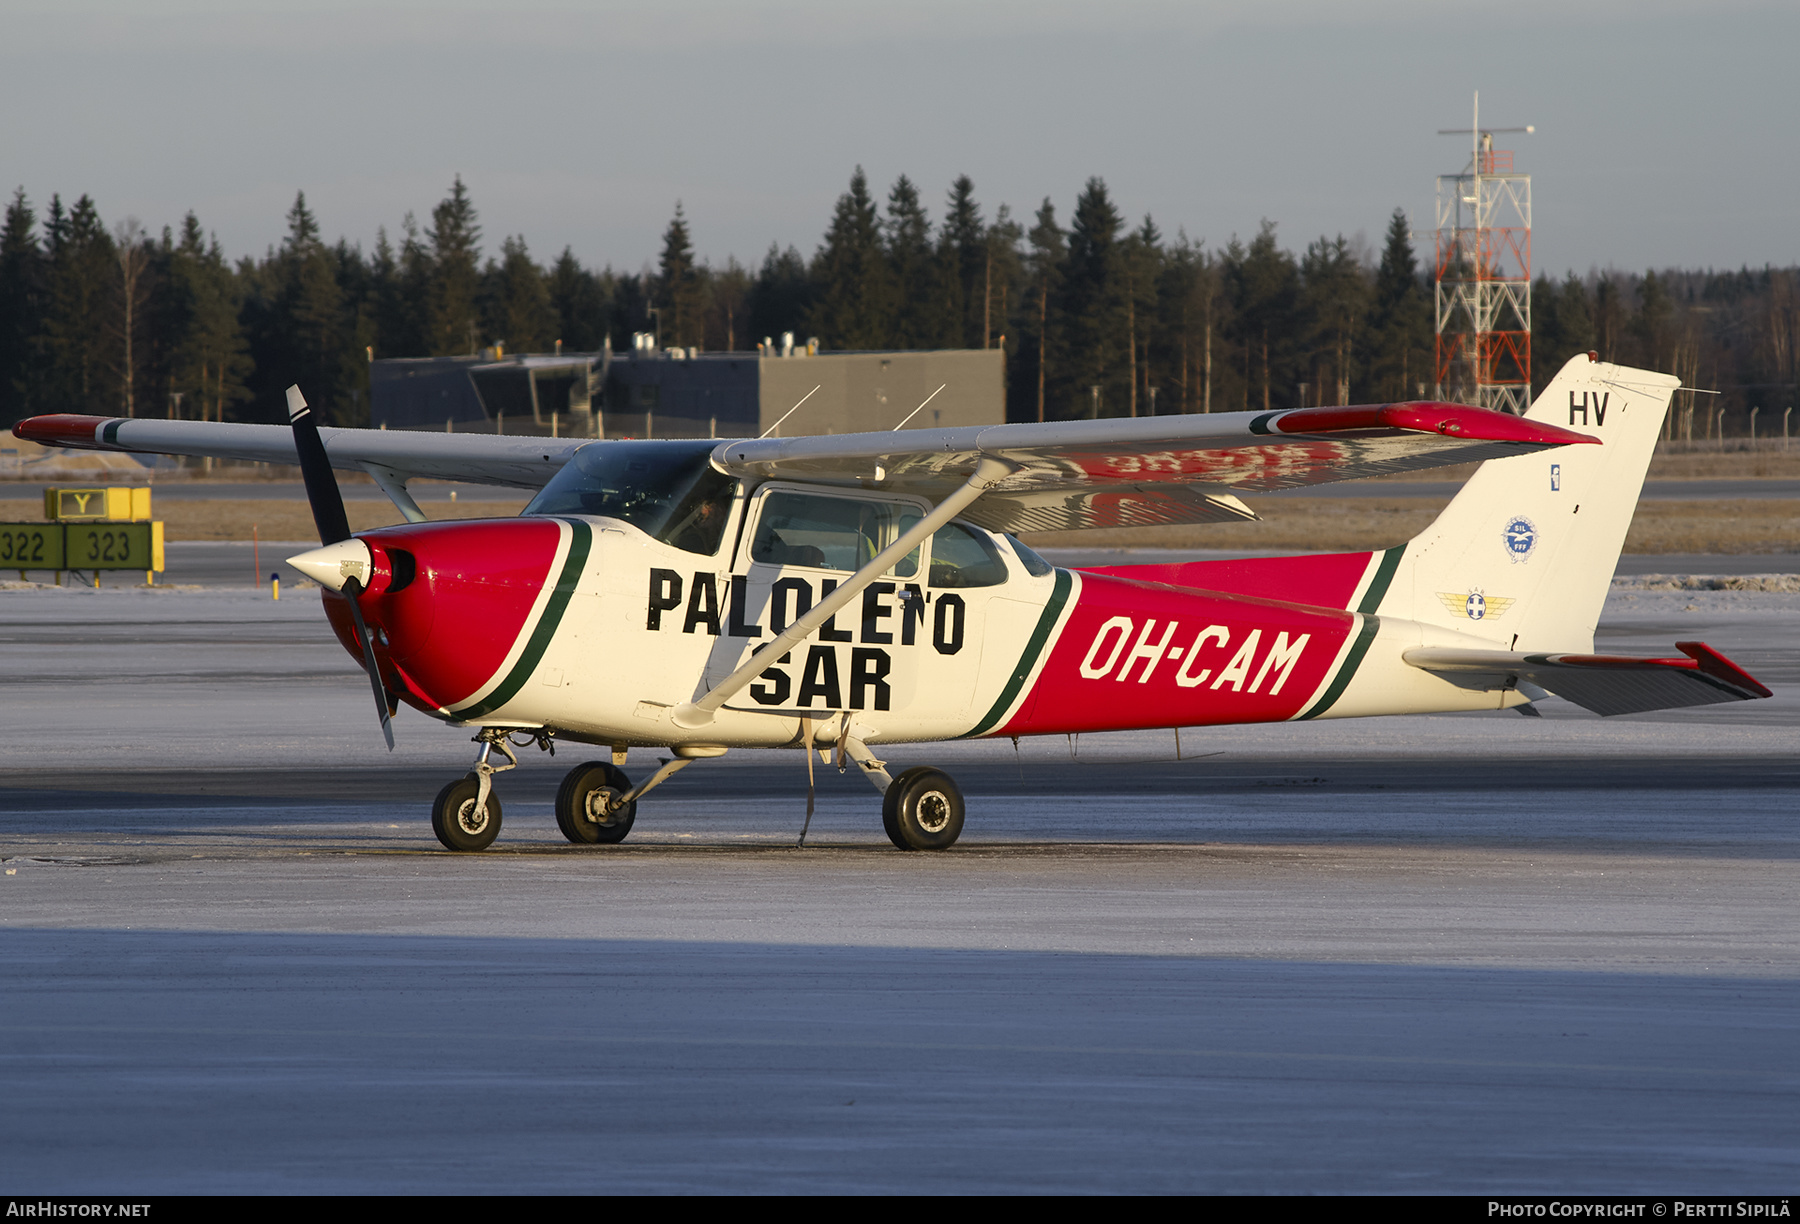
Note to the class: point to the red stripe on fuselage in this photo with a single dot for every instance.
(1322, 580)
(448, 631)
(1136, 654)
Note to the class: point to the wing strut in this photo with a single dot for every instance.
(694, 714)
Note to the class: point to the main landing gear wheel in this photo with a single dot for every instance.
(582, 805)
(922, 810)
(458, 823)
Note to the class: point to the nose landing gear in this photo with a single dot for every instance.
(466, 814)
(465, 819)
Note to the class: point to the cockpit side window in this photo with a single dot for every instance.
(668, 490)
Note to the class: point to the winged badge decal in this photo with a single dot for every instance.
(1474, 605)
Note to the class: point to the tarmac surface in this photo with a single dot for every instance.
(1475, 953)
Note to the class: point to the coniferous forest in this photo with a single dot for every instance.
(1098, 314)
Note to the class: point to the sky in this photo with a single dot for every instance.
(1665, 130)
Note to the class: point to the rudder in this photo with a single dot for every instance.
(1525, 553)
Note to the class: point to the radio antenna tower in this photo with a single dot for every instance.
(1483, 263)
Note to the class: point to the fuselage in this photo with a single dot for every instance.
(598, 625)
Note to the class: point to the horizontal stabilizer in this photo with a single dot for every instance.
(1605, 684)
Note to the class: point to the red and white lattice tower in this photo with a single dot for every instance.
(1483, 274)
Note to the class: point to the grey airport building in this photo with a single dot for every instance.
(683, 393)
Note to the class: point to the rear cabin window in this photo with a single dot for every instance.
(836, 533)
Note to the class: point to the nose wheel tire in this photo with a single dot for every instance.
(922, 810)
(458, 823)
(582, 805)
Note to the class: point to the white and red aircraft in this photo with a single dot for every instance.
(851, 591)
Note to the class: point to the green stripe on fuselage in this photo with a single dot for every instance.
(1059, 595)
(1384, 577)
(558, 603)
(1371, 625)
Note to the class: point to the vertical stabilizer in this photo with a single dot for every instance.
(1525, 553)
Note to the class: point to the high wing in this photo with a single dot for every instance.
(1147, 470)
(515, 462)
(1068, 474)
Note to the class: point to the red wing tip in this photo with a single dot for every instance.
(61, 429)
(1431, 416)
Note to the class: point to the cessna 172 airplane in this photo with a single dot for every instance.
(845, 592)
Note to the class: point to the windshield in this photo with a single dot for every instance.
(667, 490)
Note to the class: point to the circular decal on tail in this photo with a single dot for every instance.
(1475, 605)
(1520, 536)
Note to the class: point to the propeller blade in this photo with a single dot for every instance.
(315, 468)
(352, 589)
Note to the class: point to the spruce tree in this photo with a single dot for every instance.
(455, 276)
(680, 290)
(854, 307)
(919, 321)
(1049, 251)
(963, 255)
(1402, 348)
(518, 310)
(1265, 288)
(205, 357)
(81, 290)
(22, 300)
(1094, 379)
(1335, 298)
(579, 302)
(781, 297)
(727, 317)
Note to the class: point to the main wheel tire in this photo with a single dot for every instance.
(579, 812)
(456, 820)
(923, 810)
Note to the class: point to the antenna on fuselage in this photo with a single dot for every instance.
(916, 411)
(790, 412)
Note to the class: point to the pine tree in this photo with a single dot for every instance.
(919, 318)
(300, 327)
(1140, 263)
(854, 307)
(726, 316)
(1094, 379)
(579, 302)
(455, 277)
(205, 358)
(1049, 251)
(963, 254)
(1400, 320)
(22, 302)
(1189, 295)
(680, 290)
(1265, 289)
(1004, 276)
(1335, 299)
(781, 298)
(82, 277)
(519, 313)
